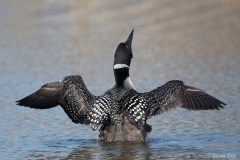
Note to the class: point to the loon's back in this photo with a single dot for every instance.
(121, 128)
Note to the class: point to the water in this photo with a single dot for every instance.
(195, 41)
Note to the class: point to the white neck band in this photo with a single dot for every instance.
(118, 66)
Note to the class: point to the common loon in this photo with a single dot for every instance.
(121, 111)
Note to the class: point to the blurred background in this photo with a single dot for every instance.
(194, 41)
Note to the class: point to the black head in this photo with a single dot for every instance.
(122, 60)
(123, 53)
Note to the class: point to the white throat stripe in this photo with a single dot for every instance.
(118, 66)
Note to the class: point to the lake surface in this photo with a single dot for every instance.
(194, 41)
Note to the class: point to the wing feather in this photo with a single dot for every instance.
(178, 94)
(70, 93)
(171, 95)
(40, 98)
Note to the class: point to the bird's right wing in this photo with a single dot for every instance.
(71, 93)
(141, 106)
(175, 93)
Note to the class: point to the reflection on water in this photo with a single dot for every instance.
(133, 150)
(90, 149)
(195, 41)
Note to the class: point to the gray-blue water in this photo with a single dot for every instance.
(195, 41)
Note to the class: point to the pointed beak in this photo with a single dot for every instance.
(130, 37)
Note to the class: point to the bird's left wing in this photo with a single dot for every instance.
(70, 93)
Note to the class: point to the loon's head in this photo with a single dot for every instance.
(122, 60)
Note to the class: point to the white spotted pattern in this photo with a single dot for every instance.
(100, 112)
(137, 108)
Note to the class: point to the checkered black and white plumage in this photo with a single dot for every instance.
(70, 93)
(100, 112)
(83, 107)
(79, 104)
(141, 106)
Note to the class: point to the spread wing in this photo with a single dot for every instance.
(70, 93)
(175, 93)
(140, 106)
